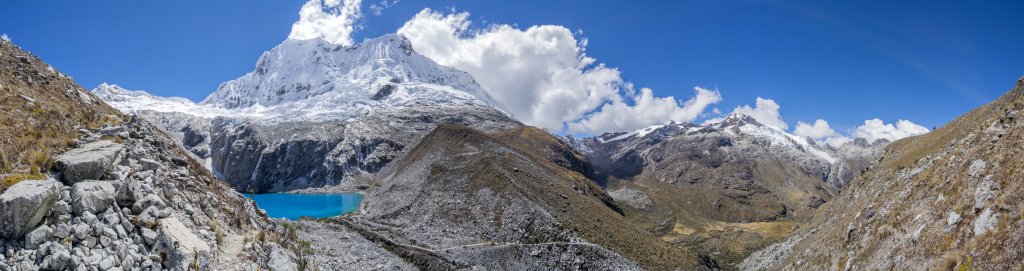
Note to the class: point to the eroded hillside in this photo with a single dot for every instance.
(947, 199)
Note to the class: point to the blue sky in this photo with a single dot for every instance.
(926, 61)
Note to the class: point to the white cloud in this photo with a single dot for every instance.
(836, 141)
(874, 129)
(379, 7)
(765, 111)
(543, 76)
(332, 20)
(819, 130)
(647, 110)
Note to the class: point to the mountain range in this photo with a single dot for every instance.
(117, 178)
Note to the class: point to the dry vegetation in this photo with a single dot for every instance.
(902, 210)
(41, 112)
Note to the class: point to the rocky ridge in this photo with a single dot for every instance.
(944, 200)
(726, 187)
(462, 198)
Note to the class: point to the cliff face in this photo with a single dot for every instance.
(947, 199)
(272, 157)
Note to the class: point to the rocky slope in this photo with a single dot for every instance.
(463, 198)
(314, 114)
(41, 113)
(945, 200)
(123, 196)
(725, 188)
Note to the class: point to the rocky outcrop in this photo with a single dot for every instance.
(91, 196)
(182, 247)
(91, 161)
(167, 213)
(116, 196)
(852, 158)
(25, 204)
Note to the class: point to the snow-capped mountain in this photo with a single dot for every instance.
(316, 114)
(131, 101)
(734, 170)
(384, 71)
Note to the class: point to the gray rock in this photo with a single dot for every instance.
(27, 265)
(986, 221)
(37, 236)
(91, 196)
(986, 191)
(632, 197)
(110, 233)
(25, 204)
(62, 231)
(81, 231)
(977, 168)
(149, 236)
(57, 260)
(279, 260)
(89, 241)
(88, 217)
(107, 263)
(149, 164)
(151, 200)
(105, 241)
(62, 208)
(89, 162)
(181, 246)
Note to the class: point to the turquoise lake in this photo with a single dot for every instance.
(293, 206)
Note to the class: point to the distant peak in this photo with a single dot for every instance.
(737, 119)
(106, 90)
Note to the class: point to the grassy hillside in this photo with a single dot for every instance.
(41, 111)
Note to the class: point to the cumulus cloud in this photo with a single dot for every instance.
(543, 76)
(648, 110)
(332, 20)
(379, 7)
(765, 111)
(874, 129)
(819, 130)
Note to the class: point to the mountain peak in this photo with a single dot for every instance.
(300, 69)
(737, 119)
(108, 91)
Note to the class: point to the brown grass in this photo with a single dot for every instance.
(40, 114)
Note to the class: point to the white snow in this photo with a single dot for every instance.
(781, 138)
(314, 80)
(745, 125)
(639, 133)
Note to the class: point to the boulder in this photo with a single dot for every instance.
(36, 237)
(279, 260)
(91, 196)
(25, 204)
(183, 248)
(89, 162)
